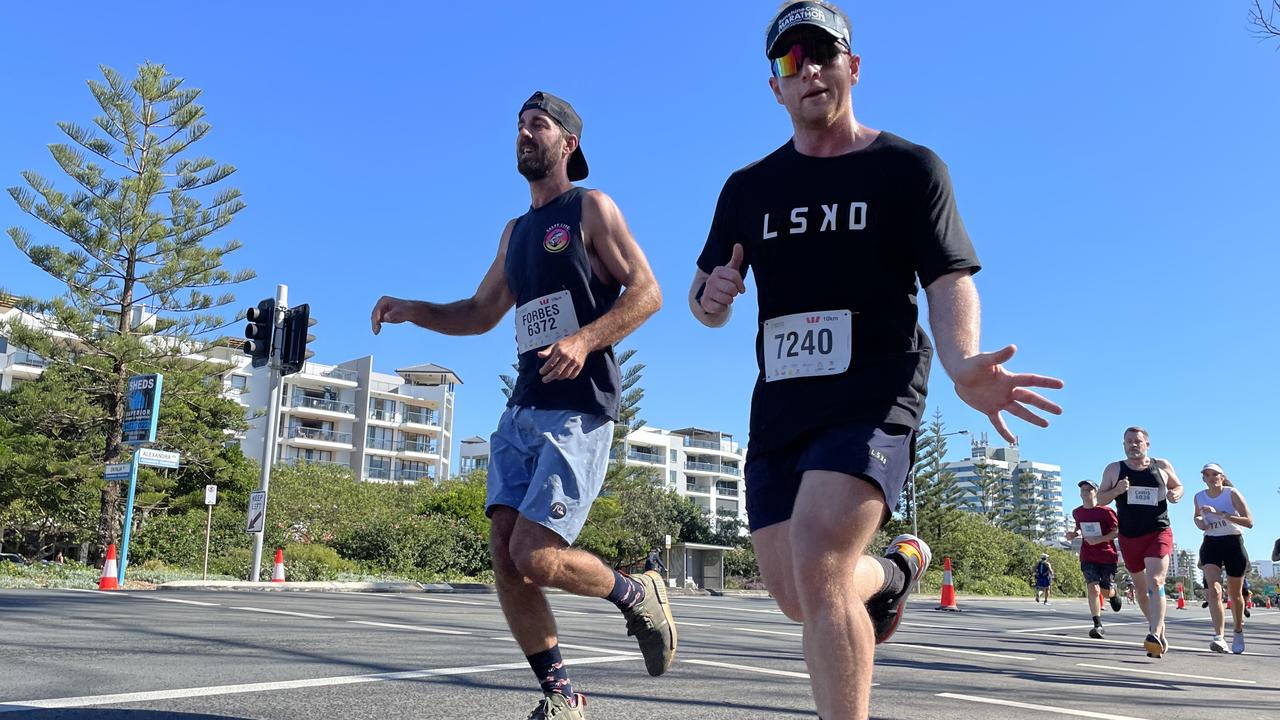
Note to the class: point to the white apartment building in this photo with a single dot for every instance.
(473, 454)
(1044, 495)
(1267, 569)
(702, 465)
(17, 364)
(386, 428)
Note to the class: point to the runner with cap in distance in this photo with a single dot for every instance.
(837, 226)
(1097, 527)
(563, 265)
(1221, 512)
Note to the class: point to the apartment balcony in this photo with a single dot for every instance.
(316, 374)
(377, 474)
(645, 457)
(417, 447)
(300, 460)
(321, 407)
(383, 416)
(421, 417)
(727, 490)
(720, 448)
(711, 468)
(386, 445)
(26, 365)
(318, 438)
(414, 476)
(695, 488)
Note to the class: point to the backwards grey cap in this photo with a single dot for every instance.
(805, 13)
(563, 113)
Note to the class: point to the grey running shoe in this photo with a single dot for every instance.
(1219, 645)
(651, 623)
(1237, 642)
(1096, 633)
(886, 610)
(557, 706)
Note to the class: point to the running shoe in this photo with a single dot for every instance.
(1219, 645)
(1237, 642)
(1096, 633)
(557, 706)
(1154, 647)
(913, 555)
(1246, 611)
(1115, 603)
(1204, 604)
(651, 623)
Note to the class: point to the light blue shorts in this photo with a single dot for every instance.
(549, 465)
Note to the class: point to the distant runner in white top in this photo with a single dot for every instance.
(1221, 512)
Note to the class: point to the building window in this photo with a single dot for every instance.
(672, 477)
(674, 456)
(240, 382)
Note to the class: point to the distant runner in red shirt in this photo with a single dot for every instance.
(1097, 527)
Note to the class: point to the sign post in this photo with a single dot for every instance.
(210, 499)
(142, 412)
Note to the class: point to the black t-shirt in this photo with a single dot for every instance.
(848, 233)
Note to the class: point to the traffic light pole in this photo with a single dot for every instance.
(273, 421)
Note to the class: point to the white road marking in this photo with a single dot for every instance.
(747, 668)
(96, 592)
(1157, 672)
(769, 632)
(935, 648)
(693, 624)
(1071, 627)
(448, 600)
(909, 624)
(419, 628)
(150, 696)
(176, 600)
(728, 607)
(589, 648)
(1131, 643)
(285, 612)
(1044, 708)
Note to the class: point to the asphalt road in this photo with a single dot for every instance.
(192, 655)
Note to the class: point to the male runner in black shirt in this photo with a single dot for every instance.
(837, 226)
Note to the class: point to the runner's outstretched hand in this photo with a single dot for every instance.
(984, 384)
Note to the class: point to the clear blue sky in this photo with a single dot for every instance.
(1115, 164)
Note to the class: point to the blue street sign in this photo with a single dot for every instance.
(142, 409)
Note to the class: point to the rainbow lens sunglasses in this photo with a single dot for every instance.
(821, 52)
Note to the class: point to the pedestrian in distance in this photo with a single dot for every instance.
(654, 562)
(839, 228)
(579, 283)
(1221, 513)
(1044, 576)
(1142, 488)
(1097, 527)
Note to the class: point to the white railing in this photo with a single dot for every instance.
(315, 403)
(307, 433)
(336, 373)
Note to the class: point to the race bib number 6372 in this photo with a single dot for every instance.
(807, 344)
(544, 320)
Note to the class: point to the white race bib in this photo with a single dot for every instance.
(1091, 529)
(542, 321)
(1143, 496)
(807, 344)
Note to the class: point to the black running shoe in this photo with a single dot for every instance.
(1115, 603)
(886, 610)
(1096, 633)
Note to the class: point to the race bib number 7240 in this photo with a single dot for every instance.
(544, 320)
(807, 344)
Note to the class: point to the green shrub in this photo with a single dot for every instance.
(741, 563)
(313, 562)
(237, 563)
(1003, 585)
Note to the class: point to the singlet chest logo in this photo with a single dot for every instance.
(557, 238)
(854, 218)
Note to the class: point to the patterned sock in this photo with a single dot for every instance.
(896, 569)
(552, 676)
(626, 591)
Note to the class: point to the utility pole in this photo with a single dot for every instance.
(273, 417)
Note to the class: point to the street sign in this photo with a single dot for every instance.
(117, 471)
(210, 494)
(142, 409)
(158, 458)
(257, 512)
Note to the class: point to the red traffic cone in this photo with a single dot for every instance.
(1182, 602)
(948, 589)
(108, 581)
(1268, 602)
(277, 572)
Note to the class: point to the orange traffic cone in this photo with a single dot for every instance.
(1228, 602)
(948, 589)
(277, 572)
(108, 581)
(1182, 602)
(1268, 602)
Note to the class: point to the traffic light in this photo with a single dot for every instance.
(293, 350)
(258, 333)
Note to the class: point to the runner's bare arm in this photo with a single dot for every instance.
(1111, 487)
(473, 316)
(980, 378)
(609, 240)
(1172, 484)
(1243, 517)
